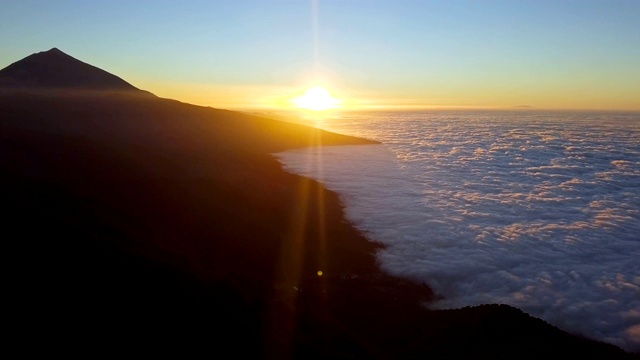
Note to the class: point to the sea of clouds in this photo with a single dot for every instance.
(537, 210)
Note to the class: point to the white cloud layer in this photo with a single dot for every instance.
(536, 210)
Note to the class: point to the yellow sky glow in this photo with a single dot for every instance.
(319, 98)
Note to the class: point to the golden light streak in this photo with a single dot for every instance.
(305, 236)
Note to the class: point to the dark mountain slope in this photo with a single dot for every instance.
(137, 221)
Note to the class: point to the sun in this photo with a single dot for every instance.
(316, 98)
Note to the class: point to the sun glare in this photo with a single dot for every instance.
(316, 98)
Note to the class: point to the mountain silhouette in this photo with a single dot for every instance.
(54, 69)
(137, 221)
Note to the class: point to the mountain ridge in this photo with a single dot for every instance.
(137, 215)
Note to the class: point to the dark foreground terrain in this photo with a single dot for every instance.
(130, 220)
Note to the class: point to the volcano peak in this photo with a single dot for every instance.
(54, 69)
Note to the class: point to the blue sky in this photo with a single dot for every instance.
(556, 54)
